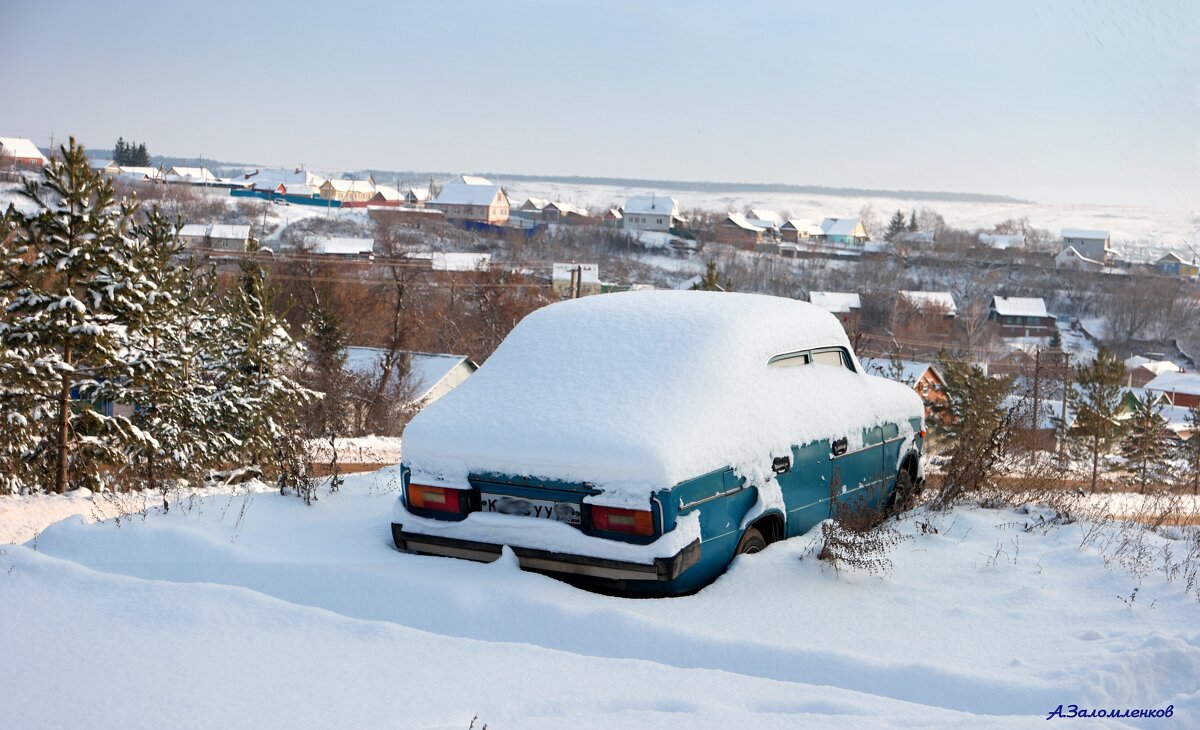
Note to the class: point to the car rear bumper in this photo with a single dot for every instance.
(545, 561)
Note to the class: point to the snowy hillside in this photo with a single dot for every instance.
(256, 611)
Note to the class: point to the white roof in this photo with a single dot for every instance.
(426, 369)
(471, 180)
(652, 204)
(461, 261)
(1069, 253)
(838, 302)
(591, 272)
(459, 193)
(840, 226)
(418, 194)
(151, 172)
(1002, 240)
(352, 186)
(604, 390)
(344, 246)
(767, 216)
(934, 299)
(389, 193)
(1187, 383)
(1084, 233)
(804, 225)
(1170, 257)
(194, 173)
(614, 212)
(1020, 306)
(194, 230)
(21, 148)
(740, 221)
(101, 164)
(567, 208)
(535, 203)
(221, 230)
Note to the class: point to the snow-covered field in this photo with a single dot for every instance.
(258, 611)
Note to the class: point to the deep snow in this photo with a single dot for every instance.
(282, 614)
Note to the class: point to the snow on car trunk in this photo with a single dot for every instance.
(638, 391)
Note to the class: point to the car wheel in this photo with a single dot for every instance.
(904, 496)
(752, 542)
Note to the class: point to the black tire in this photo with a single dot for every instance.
(904, 495)
(752, 542)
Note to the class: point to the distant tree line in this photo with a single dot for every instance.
(128, 154)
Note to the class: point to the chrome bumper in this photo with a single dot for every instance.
(545, 561)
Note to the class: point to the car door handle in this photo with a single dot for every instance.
(781, 464)
(839, 446)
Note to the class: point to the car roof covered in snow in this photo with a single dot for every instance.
(638, 391)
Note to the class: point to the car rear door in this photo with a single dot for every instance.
(805, 487)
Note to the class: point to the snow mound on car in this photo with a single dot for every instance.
(638, 391)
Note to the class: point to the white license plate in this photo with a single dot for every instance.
(544, 508)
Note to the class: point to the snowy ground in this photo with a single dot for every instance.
(260, 611)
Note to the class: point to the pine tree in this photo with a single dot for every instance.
(979, 427)
(1146, 447)
(258, 400)
(141, 158)
(1094, 402)
(912, 221)
(121, 152)
(711, 280)
(78, 275)
(16, 406)
(1056, 342)
(326, 417)
(896, 225)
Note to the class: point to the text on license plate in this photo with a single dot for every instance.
(544, 508)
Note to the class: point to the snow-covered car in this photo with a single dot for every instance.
(640, 441)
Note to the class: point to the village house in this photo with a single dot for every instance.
(796, 230)
(768, 220)
(348, 191)
(1181, 389)
(387, 195)
(1141, 370)
(843, 230)
(215, 237)
(472, 198)
(343, 247)
(460, 262)
(21, 152)
(1021, 317)
(186, 175)
(923, 377)
(1091, 244)
(559, 211)
(650, 213)
(1172, 264)
(735, 230)
(534, 205)
(846, 306)
(613, 218)
(416, 197)
(563, 277)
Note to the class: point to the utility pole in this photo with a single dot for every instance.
(576, 281)
(1062, 441)
(1037, 373)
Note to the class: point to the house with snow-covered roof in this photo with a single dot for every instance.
(1182, 389)
(764, 218)
(534, 205)
(216, 236)
(348, 191)
(795, 230)
(190, 175)
(1071, 260)
(472, 198)
(651, 212)
(1141, 370)
(422, 377)
(21, 152)
(1090, 243)
(843, 230)
(560, 211)
(735, 230)
(1021, 317)
(1172, 264)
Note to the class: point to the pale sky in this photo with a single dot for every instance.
(1046, 99)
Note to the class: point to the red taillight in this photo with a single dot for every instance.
(631, 521)
(440, 499)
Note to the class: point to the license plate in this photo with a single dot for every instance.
(543, 508)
